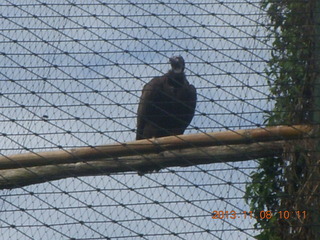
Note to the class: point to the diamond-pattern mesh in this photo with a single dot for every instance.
(71, 74)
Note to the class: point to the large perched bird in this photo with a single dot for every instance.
(167, 103)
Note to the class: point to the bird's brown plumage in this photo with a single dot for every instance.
(167, 104)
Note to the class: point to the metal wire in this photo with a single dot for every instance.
(71, 74)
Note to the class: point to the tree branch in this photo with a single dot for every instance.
(13, 178)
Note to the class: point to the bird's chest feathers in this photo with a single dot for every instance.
(170, 98)
(173, 86)
(172, 91)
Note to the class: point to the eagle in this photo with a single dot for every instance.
(167, 103)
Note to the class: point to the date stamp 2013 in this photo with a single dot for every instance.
(261, 215)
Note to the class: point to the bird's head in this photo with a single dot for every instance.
(177, 64)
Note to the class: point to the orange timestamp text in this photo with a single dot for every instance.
(261, 215)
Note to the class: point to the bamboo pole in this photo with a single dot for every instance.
(13, 178)
(154, 145)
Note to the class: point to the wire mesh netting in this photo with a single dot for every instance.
(71, 74)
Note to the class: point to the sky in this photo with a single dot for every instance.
(71, 74)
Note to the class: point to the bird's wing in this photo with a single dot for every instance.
(148, 95)
(191, 101)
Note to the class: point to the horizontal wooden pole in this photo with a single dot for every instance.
(13, 178)
(154, 145)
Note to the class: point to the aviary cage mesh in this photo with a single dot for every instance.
(71, 74)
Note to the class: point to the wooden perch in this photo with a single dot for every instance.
(13, 178)
(153, 145)
(147, 155)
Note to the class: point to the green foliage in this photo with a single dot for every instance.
(289, 77)
(289, 67)
(264, 192)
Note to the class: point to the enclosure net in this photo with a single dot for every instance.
(71, 74)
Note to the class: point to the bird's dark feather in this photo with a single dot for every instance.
(166, 107)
